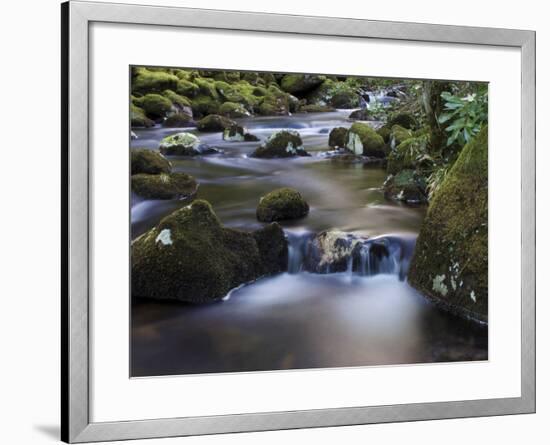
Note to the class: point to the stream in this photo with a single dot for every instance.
(366, 315)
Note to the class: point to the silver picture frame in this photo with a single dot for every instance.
(77, 16)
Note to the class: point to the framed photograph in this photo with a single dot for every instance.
(276, 222)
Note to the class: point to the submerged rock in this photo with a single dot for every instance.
(362, 139)
(337, 137)
(189, 256)
(281, 144)
(148, 161)
(180, 144)
(406, 186)
(236, 133)
(450, 263)
(282, 204)
(214, 122)
(164, 185)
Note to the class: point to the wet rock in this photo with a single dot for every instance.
(281, 144)
(164, 185)
(406, 186)
(236, 133)
(362, 139)
(138, 118)
(450, 264)
(180, 144)
(189, 256)
(337, 137)
(148, 161)
(233, 110)
(178, 120)
(214, 123)
(282, 204)
(312, 108)
(360, 115)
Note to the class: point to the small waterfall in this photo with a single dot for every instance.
(349, 254)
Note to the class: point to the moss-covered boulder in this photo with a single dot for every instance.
(281, 144)
(405, 120)
(148, 81)
(214, 123)
(148, 161)
(233, 110)
(180, 144)
(236, 133)
(360, 115)
(274, 103)
(299, 84)
(138, 118)
(362, 139)
(406, 186)
(399, 134)
(337, 137)
(187, 88)
(178, 120)
(335, 93)
(385, 133)
(282, 204)
(155, 106)
(450, 263)
(189, 256)
(345, 99)
(164, 185)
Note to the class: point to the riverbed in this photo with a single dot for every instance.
(298, 319)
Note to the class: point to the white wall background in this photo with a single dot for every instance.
(29, 222)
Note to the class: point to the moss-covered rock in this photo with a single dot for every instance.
(405, 120)
(274, 103)
(179, 101)
(236, 133)
(187, 88)
(335, 93)
(345, 99)
(138, 118)
(204, 105)
(384, 133)
(362, 139)
(189, 256)
(155, 106)
(406, 186)
(281, 144)
(282, 204)
(399, 134)
(147, 81)
(178, 120)
(450, 263)
(148, 161)
(233, 110)
(180, 144)
(337, 137)
(164, 185)
(360, 115)
(299, 84)
(214, 123)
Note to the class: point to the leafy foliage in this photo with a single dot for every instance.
(464, 115)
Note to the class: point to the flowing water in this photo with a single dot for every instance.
(365, 315)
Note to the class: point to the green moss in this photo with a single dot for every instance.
(180, 144)
(234, 133)
(334, 93)
(138, 118)
(214, 122)
(275, 102)
(178, 120)
(452, 246)
(204, 105)
(282, 204)
(337, 137)
(281, 144)
(299, 84)
(363, 139)
(405, 120)
(385, 133)
(189, 256)
(360, 115)
(147, 81)
(164, 185)
(155, 106)
(187, 88)
(207, 87)
(398, 134)
(233, 110)
(176, 99)
(148, 161)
